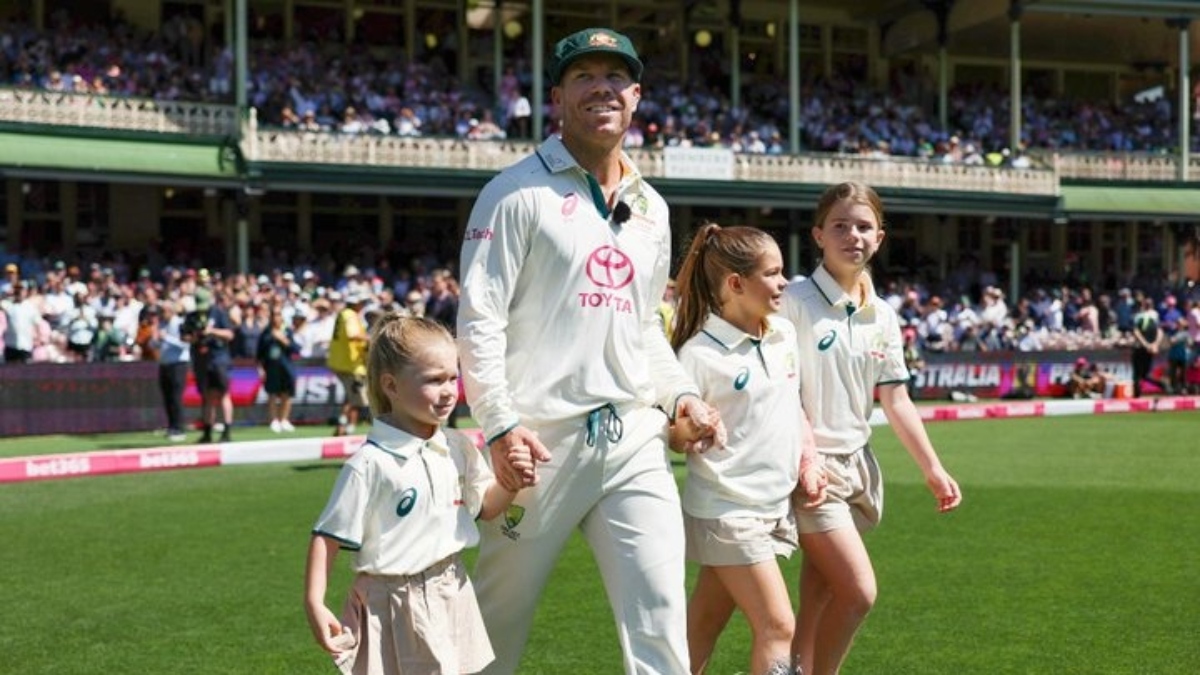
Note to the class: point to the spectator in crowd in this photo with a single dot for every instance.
(253, 319)
(80, 325)
(414, 303)
(584, 377)
(442, 305)
(995, 309)
(1147, 333)
(144, 347)
(914, 359)
(1193, 331)
(666, 309)
(174, 357)
(520, 111)
(347, 359)
(12, 277)
(485, 128)
(276, 349)
(1179, 355)
(317, 331)
(109, 345)
(1191, 254)
(1125, 309)
(1086, 380)
(21, 317)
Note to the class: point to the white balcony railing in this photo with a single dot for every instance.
(278, 145)
(39, 106)
(1120, 166)
(42, 107)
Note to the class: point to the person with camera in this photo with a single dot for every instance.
(209, 332)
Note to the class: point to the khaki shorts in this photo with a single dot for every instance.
(720, 542)
(421, 623)
(854, 497)
(356, 389)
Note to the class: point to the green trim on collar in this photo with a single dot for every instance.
(597, 194)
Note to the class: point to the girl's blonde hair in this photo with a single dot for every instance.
(397, 340)
(714, 253)
(850, 191)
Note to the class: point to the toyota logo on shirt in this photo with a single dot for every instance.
(608, 267)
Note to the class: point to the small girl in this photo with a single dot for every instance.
(406, 504)
(737, 501)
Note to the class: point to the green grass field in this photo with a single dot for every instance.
(1075, 551)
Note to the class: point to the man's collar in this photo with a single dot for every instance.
(557, 158)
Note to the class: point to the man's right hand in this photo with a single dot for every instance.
(510, 477)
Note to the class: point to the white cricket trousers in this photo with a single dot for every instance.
(623, 497)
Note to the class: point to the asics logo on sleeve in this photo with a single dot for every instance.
(743, 378)
(570, 203)
(408, 499)
(827, 341)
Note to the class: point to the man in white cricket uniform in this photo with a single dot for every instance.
(564, 261)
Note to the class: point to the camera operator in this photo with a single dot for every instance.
(209, 332)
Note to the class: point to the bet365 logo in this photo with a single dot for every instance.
(512, 517)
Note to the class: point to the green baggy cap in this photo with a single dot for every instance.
(593, 41)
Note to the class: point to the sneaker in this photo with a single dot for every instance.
(176, 436)
(225, 437)
(276, 426)
(349, 429)
(206, 437)
(286, 426)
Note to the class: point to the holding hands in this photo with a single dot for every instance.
(515, 456)
(697, 427)
(810, 489)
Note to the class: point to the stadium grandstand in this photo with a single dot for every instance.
(1039, 151)
(331, 126)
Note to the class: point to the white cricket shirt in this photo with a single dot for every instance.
(755, 384)
(846, 350)
(403, 503)
(557, 312)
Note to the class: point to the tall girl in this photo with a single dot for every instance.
(737, 499)
(851, 347)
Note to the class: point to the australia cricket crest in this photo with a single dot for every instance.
(512, 517)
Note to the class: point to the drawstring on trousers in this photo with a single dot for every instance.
(614, 427)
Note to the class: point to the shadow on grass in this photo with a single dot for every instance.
(321, 466)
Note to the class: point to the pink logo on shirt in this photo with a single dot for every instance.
(570, 204)
(608, 267)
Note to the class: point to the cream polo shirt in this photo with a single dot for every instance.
(755, 384)
(557, 312)
(402, 503)
(846, 350)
